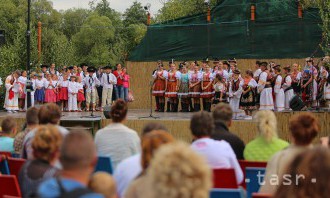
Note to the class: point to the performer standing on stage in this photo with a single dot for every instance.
(308, 83)
(278, 90)
(207, 88)
(296, 77)
(73, 91)
(248, 98)
(287, 87)
(39, 95)
(219, 88)
(50, 92)
(90, 82)
(108, 80)
(235, 92)
(326, 92)
(21, 96)
(12, 91)
(172, 86)
(183, 92)
(63, 95)
(195, 79)
(265, 89)
(158, 88)
(81, 93)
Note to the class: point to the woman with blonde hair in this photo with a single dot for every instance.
(46, 145)
(150, 143)
(267, 143)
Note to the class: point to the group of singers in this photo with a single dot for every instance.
(269, 87)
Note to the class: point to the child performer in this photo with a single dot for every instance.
(81, 94)
(50, 92)
(207, 88)
(219, 88)
(195, 79)
(39, 95)
(12, 90)
(248, 98)
(63, 92)
(21, 96)
(90, 83)
(172, 86)
(73, 91)
(326, 92)
(107, 81)
(278, 90)
(183, 92)
(235, 92)
(287, 87)
(158, 88)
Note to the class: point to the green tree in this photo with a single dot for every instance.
(135, 14)
(73, 20)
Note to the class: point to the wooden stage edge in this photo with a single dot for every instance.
(178, 123)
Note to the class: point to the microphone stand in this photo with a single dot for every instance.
(91, 103)
(151, 115)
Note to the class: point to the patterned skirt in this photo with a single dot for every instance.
(207, 93)
(171, 90)
(50, 96)
(195, 92)
(248, 101)
(184, 90)
(159, 88)
(63, 93)
(39, 95)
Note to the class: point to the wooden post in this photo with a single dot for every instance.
(253, 12)
(148, 18)
(39, 41)
(300, 12)
(208, 14)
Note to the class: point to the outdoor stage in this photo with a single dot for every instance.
(177, 123)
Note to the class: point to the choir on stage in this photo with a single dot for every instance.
(269, 87)
(72, 88)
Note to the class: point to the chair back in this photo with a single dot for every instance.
(5, 153)
(15, 165)
(4, 168)
(9, 186)
(254, 177)
(226, 193)
(104, 164)
(261, 195)
(224, 178)
(244, 164)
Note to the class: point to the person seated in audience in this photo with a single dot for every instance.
(304, 128)
(78, 158)
(32, 122)
(263, 147)
(150, 143)
(103, 183)
(307, 176)
(48, 114)
(222, 115)
(8, 131)
(218, 154)
(176, 171)
(116, 140)
(46, 148)
(128, 169)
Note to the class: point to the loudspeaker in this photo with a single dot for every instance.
(2, 37)
(297, 104)
(106, 112)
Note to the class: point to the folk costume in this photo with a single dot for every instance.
(309, 85)
(90, 82)
(288, 89)
(12, 91)
(73, 92)
(235, 92)
(248, 98)
(195, 89)
(158, 88)
(108, 80)
(279, 93)
(183, 92)
(207, 90)
(265, 90)
(39, 95)
(172, 82)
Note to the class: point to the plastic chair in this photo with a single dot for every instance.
(224, 178)
(15, 165)
(104, 164)
(261, 195)
(226, 193)
(254, 177)
(5, 153)
(4, 168)
(9, 186)
(244, 164)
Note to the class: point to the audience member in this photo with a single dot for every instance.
(8, 131)
(222, 115)
(267, 143)
(78, 157)
(103, 183)
(150, 143)
(177, 171)
(116, 140)
(128, 169)
(32, 122)
(308, 175)
(48, 114)
(46, 148)
(218, 154)
(304, 128)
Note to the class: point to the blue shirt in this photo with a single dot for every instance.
(50, 188)
(7, 144)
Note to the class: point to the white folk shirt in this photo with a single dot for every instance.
(40, 83)
(257, 73)
(91, 83)
(64, 83)
(108, 84)
(72, 87)
(262, 81)
(219, 155)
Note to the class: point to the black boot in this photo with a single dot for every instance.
(197, 107)
(191, 105)
(162, 106)
(157, 104)
(168, 106)
(182, 107)
(204, 106)
(176, 106)
(208, 106)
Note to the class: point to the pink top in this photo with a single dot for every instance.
(126, 80)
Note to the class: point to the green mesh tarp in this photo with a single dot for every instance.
(276, 33)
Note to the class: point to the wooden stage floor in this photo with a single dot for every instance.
(177, 123)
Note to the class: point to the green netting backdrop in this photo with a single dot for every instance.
(277, 32)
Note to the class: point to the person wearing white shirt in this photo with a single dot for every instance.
(235, 92)
(12, 90)
(107, 81)
(90, 82)
(265, 89)
(21, 95)
(287, 87)
(73, 92)
(278, 90)
(218, 154)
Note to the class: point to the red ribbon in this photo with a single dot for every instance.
(11, 94)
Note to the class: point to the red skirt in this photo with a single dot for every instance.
(80, 97)
(159, 88)
(207, 93)
(50, 95)
(195, 92)
(63, 93)
(171, 90)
